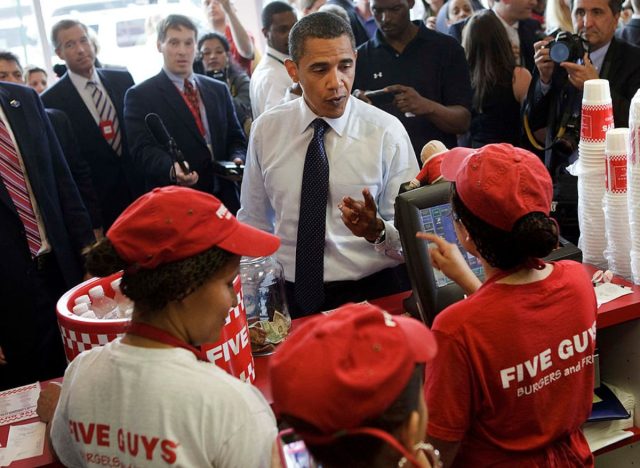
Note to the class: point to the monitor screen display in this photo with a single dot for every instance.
(439, 221)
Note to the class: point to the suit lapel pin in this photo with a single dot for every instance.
(14, 103)
(377, 75)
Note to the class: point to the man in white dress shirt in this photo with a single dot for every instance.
(270, 79)
(367, 154)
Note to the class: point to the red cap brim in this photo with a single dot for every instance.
(419, 338)
(453, 160)
(248, 241)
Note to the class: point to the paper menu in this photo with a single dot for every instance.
(18, 404)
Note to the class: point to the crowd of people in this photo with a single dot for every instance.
(328, 121)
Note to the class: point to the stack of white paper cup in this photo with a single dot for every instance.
(633, 185)
(597, 119)
(616, 214)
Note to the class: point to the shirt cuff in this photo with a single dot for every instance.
(391, 246)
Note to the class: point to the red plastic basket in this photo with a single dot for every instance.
(232, 352)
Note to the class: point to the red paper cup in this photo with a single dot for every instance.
(597, 119)
(616, 173)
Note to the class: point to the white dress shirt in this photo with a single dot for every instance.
(80, 83)
(366, 147)
(269, 82)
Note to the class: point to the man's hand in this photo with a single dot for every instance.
(183, 179)
(358, 93)
(543, 61)
(3, 359)
(408, 100)
(47, 401)
(447, 258)
(361, 217)
(578, 74)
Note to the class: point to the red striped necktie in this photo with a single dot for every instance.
(14, 180)
(193, 102)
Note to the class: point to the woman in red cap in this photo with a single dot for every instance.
(148, 399)
(513, 380)
(351, 385)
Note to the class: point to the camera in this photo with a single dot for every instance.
(566, 47)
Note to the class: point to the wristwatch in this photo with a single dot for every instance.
(380, 239)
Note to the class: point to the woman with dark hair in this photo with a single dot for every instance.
(213, 49)
(350, 384)
(499, 86)
(513, 381)
(148, 399)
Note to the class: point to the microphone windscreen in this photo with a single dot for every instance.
(156, 127)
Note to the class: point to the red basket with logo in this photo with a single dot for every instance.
(232, 352)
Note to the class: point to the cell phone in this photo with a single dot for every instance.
(375, 92)
(293, 452)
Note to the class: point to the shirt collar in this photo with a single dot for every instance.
(597, 56)
(308, 116)
(507, 25)
(80, 82)
(378, 39)
(278, 55)
(179, 81)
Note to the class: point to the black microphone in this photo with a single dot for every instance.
(156, 126)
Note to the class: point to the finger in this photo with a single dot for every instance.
(396, 88)
(429, 236)
(369, 202)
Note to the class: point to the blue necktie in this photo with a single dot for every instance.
(309, 284)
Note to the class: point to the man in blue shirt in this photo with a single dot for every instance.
(424, 73)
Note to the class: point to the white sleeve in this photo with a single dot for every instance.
(401, 166)
(61, 440)
(255, 208)
(254, 434)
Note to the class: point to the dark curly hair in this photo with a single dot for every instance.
(533, 236)
(362, 450)
(153, 289)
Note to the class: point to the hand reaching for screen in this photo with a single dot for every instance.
(447, 258)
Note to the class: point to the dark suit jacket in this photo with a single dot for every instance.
(631, 32)
(359, 31)
(67, 225)
(159, 95)
(78, 166)
(528, 31)
(115, 180)
(621, 67)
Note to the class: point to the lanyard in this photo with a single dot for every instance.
(156, 334)
(275, 58)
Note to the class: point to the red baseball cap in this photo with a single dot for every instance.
(499, 183)
(339, 370)
(173, 223)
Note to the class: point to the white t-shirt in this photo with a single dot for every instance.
(123, 405)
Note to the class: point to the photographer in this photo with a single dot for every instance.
(555, 94)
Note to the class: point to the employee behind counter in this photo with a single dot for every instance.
(147, 399)
(505, 388)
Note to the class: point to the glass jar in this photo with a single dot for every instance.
(265, 302)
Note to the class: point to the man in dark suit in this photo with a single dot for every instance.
(44, 228)
(197, 112)
(555, 96)
(11, 72)
(93, 99)
(631, 31)
(523, 31)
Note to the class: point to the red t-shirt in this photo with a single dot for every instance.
(244, 63)
(513, 378)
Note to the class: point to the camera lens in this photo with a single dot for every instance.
(559, 52)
